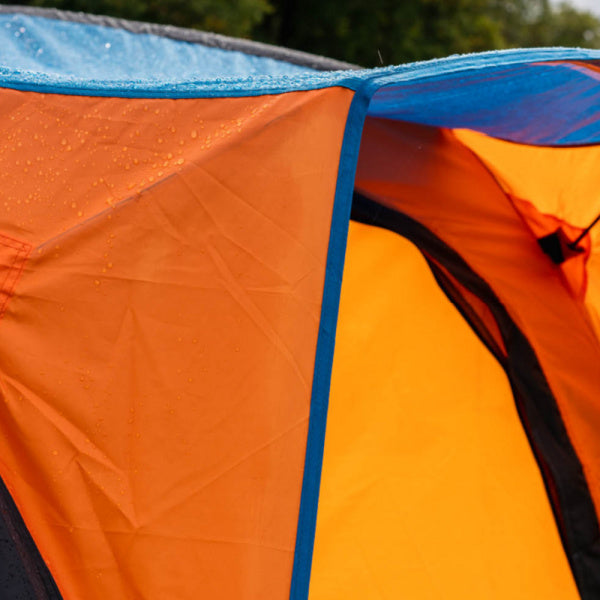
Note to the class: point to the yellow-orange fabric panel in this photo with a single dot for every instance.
(561, 181)
(429, 488)
(157, 351)
(558, 181)
(429, 175)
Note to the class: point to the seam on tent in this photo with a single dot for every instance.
(15, 253)
(315, 443)
(265, 85)
(465, 309)
(561, 469)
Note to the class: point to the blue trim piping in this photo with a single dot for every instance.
(315, 444)
(262, 85)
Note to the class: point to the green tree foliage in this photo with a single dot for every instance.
(368, 32)
(531, 23)
(389, 32)
(237, 18)
(384, 31)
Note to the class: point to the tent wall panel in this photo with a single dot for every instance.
(431, 490)
(554, 359)
(144, 461)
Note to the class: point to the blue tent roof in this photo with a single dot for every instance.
(78, 50)
(537, 96)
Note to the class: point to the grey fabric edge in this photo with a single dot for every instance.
(194, 36)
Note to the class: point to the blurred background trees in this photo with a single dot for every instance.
(368, 32)
(237, 18)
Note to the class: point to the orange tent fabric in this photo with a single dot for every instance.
(184, 414)
(143, 462)
(426, 489)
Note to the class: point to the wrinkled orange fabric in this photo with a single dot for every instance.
(429, 488)
(157, 350)
(430, 176)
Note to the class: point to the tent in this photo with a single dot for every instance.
(274, 327)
